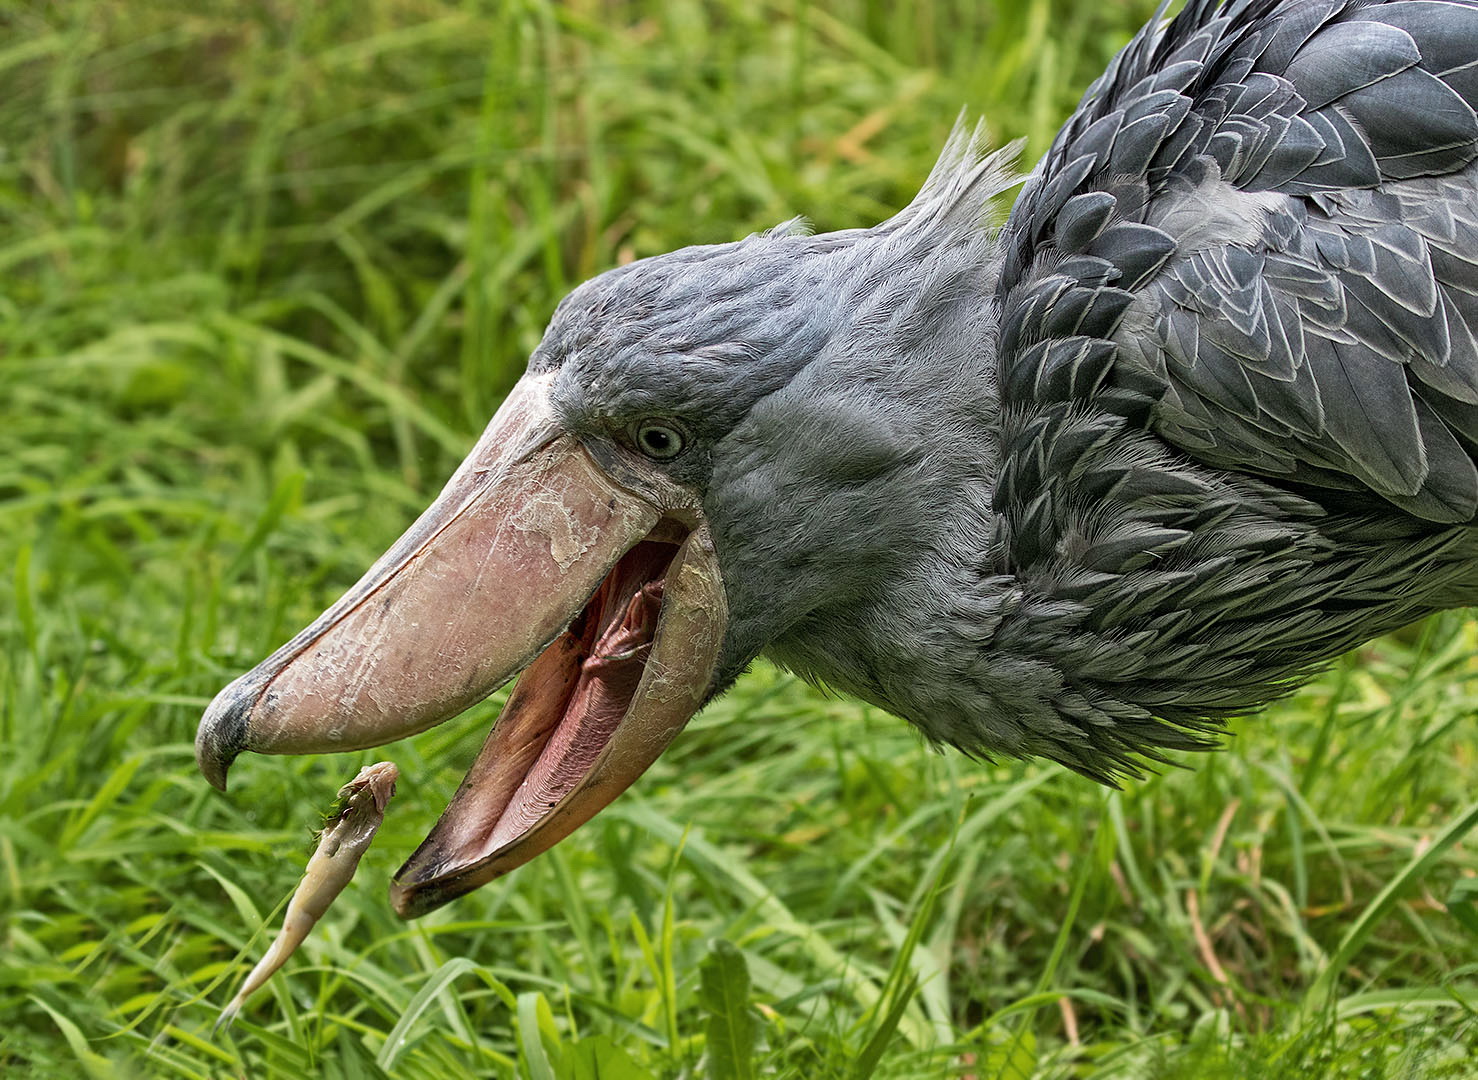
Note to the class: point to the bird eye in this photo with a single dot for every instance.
(659, 440)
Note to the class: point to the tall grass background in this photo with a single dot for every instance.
(265, 270)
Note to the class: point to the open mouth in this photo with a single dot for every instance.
(561, 716)
(604, 592)
(580, 688)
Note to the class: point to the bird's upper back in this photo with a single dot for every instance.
(1258, 238)
(1237, 374)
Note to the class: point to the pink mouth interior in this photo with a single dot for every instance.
(560, 717)
(614, 638)
(583, 720)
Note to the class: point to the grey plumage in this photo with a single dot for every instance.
(1201, 415)
(1312, 184)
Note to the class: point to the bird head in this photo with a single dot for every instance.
(714, 452)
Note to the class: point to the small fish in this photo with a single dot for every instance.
(345, 838)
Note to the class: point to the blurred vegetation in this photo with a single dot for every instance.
(265, 269)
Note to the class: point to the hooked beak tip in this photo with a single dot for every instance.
(222, 733)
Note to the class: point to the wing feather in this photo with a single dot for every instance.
(1269, 211)
(1238, 365)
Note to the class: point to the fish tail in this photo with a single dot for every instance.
(228, 1014)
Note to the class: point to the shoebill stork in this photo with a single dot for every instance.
(1199, 417)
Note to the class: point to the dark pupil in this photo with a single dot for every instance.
(658, 441)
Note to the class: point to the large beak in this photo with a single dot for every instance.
(532, 553)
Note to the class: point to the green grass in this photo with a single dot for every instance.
(263, 275)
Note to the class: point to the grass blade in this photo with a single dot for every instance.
(398, 1041)
(725, 997)
(1358, 931)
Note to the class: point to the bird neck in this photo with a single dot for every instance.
(857, 494)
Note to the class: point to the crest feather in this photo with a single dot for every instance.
(964, 181)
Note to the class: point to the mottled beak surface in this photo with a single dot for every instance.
(532, 556)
